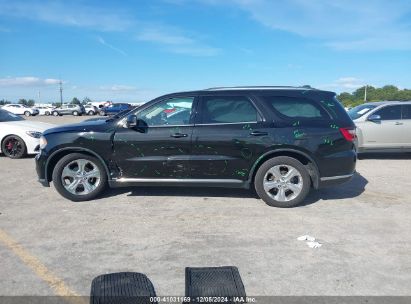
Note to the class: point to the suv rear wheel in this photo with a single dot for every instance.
(282, 182)
(75, 113)
(27, 113)
(79, 177)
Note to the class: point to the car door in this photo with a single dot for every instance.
(163, 150)
(227, 137)
(406, 125)
(19, 109)
(383, 133)
(64, 109)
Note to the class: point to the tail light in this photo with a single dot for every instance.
(348, 133)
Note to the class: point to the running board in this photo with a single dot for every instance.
(229, 183)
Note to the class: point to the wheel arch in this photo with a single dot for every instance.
(303, 157)
(59, 154)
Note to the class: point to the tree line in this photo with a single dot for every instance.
(387, 92)
(32, 102)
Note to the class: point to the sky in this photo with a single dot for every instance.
(135, 50)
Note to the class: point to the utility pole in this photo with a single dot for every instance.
(365, 93)
(39, 98)
(61, 93)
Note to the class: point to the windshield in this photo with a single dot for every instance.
(7, 116)
(360, 110)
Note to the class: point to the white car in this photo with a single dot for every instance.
(45, 110)
(18, 136)
(20, 109)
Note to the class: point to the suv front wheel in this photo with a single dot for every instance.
(79, 177)
(282, 182)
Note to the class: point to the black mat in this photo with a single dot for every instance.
(214, 282)
(121, 288)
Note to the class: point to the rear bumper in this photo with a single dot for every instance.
(335, 180)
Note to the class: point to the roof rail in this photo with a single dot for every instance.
(259, 88)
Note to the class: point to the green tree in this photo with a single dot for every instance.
(75, 100)
(86, 100)
(23, 101)
(30, 103)
(387, 92)
(4, 102)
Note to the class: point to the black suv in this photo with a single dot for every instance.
(279, 140)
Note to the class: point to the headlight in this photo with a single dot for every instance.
(43, 142)
(34, 134)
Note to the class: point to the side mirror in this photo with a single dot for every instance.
(137, 124)
(374, 118)
(131, 121)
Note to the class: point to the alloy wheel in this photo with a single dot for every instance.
(283, 183)
(80, 176)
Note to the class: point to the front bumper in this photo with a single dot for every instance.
(41, 162)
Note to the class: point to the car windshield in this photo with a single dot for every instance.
(360, 110)
(7, 116)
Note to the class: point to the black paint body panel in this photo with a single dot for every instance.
(209, 151)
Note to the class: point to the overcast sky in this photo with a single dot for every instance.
(137, 50)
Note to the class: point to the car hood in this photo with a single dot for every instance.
(29, 125)
(85, 126)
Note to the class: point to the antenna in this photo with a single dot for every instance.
(61, 92)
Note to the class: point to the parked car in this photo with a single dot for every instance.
(114, 109)
(18, 136)
(281, 141)
(90, 110)
(45, 110)
(20, 109)
(383, 126)
(69, 109)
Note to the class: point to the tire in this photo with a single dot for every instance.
(55, 113)
(75, 113)
(71, 163)
(90, 113)
(47, 113)
(27, 114)
(102, 113)
(13, 147)
(273, 173)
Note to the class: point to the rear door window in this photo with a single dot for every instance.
(227, 109)
(296, 108)
(389, 112)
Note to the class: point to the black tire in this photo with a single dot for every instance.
(27, 113)
(47, 113)
(90, 113)
(55, 113)
(13, 147)
(102, 113)
(278, 161)
(75, 113)
(58, 183)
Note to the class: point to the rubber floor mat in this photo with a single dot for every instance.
(121, 288)
(214, 282)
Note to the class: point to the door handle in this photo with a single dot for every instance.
(178, 135)
(258, 133)
(398, 123)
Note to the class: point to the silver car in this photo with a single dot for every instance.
(383, 126)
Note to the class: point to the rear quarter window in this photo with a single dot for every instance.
(296, 107)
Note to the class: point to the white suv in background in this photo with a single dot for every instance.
(20, 109)
(383, 126)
